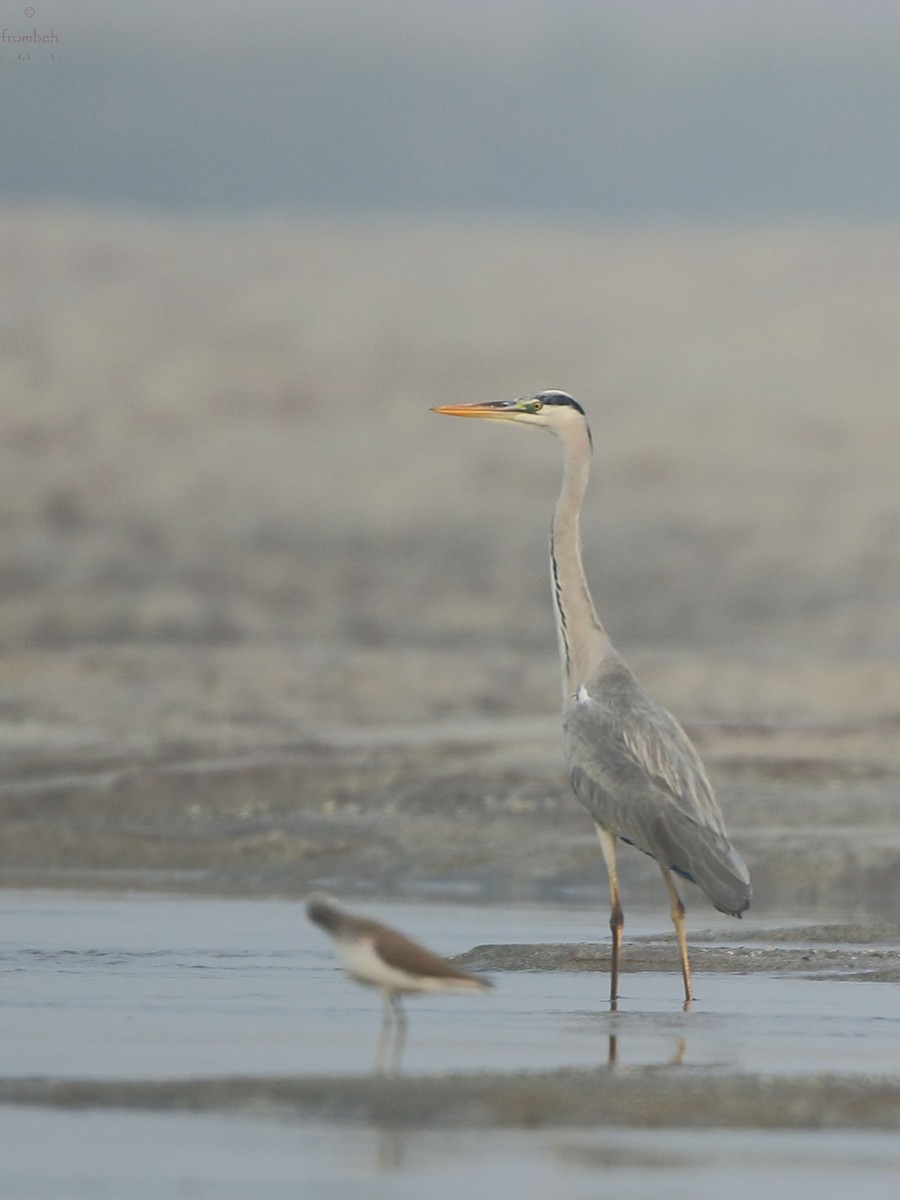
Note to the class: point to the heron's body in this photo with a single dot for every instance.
(630, 763)
(636, 772)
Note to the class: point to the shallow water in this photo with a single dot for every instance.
(147, 987)
(154, 1156)
(141, 986)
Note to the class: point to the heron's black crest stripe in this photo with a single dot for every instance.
(563, 399)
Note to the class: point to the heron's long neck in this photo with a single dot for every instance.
(582, 639)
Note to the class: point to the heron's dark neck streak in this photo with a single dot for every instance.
(582, 640)
(560, 611)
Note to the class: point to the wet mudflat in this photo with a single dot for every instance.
(164, 1043)
(148, 776)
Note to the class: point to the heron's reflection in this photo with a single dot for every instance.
(620, 1025)
(676, 1059)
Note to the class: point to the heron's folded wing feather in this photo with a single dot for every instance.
(616, 729)
(639, 776)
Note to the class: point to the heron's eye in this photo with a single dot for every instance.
(534, 406)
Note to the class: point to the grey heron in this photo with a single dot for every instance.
(630, 763)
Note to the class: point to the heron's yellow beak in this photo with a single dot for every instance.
(502, 410)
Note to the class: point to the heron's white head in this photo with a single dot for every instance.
(554, 411)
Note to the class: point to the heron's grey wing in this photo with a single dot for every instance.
(637, 773)
(615, 728)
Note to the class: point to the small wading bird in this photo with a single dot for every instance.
(630, 763)
(378, 956)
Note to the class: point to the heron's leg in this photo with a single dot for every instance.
(678, 922)
(387, 1021)
(616, 918)
(399, 1033)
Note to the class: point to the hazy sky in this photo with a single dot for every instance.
(624, 110)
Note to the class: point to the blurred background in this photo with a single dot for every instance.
(623, 111)
(244, 248)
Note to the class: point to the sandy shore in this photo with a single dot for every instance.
(572, 1098)
(234, 771)
(221, 433)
